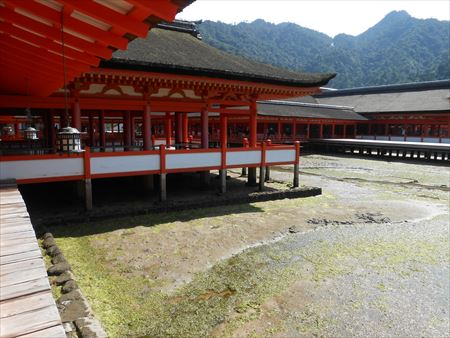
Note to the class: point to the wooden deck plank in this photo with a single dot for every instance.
(22, 266)
(25, 234)
(21, 256)
(4, 243)
(16, 228)
(27, 307)
(22, 214)
(18, 277)
(27, 303)
(51, 332)
(11, 250)
(29, 322)
(25, 288)
(23, 222)
(12, 210)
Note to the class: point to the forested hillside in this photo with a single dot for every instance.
(398, 49)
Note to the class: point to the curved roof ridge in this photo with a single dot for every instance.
(392, 88)
(306, 104)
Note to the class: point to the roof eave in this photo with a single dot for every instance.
(182, 70)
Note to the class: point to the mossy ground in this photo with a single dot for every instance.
(272, 289)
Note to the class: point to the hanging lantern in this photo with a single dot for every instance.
(30, 134)
(69, 140)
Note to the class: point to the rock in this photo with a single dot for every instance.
(293, 229)
(48, 242)
(59, 259)
(70, 329)
(53, 251)
(69, 286)
(90, 328)
(58, 269)
(47, 235)
(63, 278)
(72, 306)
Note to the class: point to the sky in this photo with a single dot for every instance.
(331, 17)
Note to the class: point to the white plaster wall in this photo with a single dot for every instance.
(194, 160)
(243, 157)
(123, 164)
(273, 156)
(41, 168)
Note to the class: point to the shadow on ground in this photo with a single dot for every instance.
(60, 205)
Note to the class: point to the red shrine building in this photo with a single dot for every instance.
(105, 107)
(134, 110)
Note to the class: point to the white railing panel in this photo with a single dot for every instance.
(413, 139)
(431, 139)
(274, 156)
(123, 164)
(193, 160)
(243, 157)
(31, 169)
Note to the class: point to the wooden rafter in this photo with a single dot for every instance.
(89, 29)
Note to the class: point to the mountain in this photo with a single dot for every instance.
(398, 49)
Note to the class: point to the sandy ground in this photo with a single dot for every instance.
(369, 257)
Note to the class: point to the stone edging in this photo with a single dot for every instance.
(76, 314)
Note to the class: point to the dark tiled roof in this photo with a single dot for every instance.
(306, 110)
(178, 50)
(413, 97)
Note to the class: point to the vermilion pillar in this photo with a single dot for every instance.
(76, 115)
(147, 127)
(223, 130)
(333, 130)
(253, 125)
(101, 129)
(185, 127)
(321, 130)
(253, 129)
(178, 128)
(168, 128)
(205, 132)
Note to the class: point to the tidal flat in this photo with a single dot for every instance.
(368, 257)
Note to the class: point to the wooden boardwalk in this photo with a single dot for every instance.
(27, 307)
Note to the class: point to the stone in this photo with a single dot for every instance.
(53, 251)
(47, 235)
(90, 328)
(72, 306)
(63, 278)
(48, 242)
(59, 259)
(69, 286)
(58, 269)
(293, 229)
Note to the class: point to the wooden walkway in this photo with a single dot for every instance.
(27, 307)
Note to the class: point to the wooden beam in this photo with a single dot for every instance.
(109, 16)
(48, 44)
(165, 10)
(54, 33)
(54, 17)
(35, 53)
